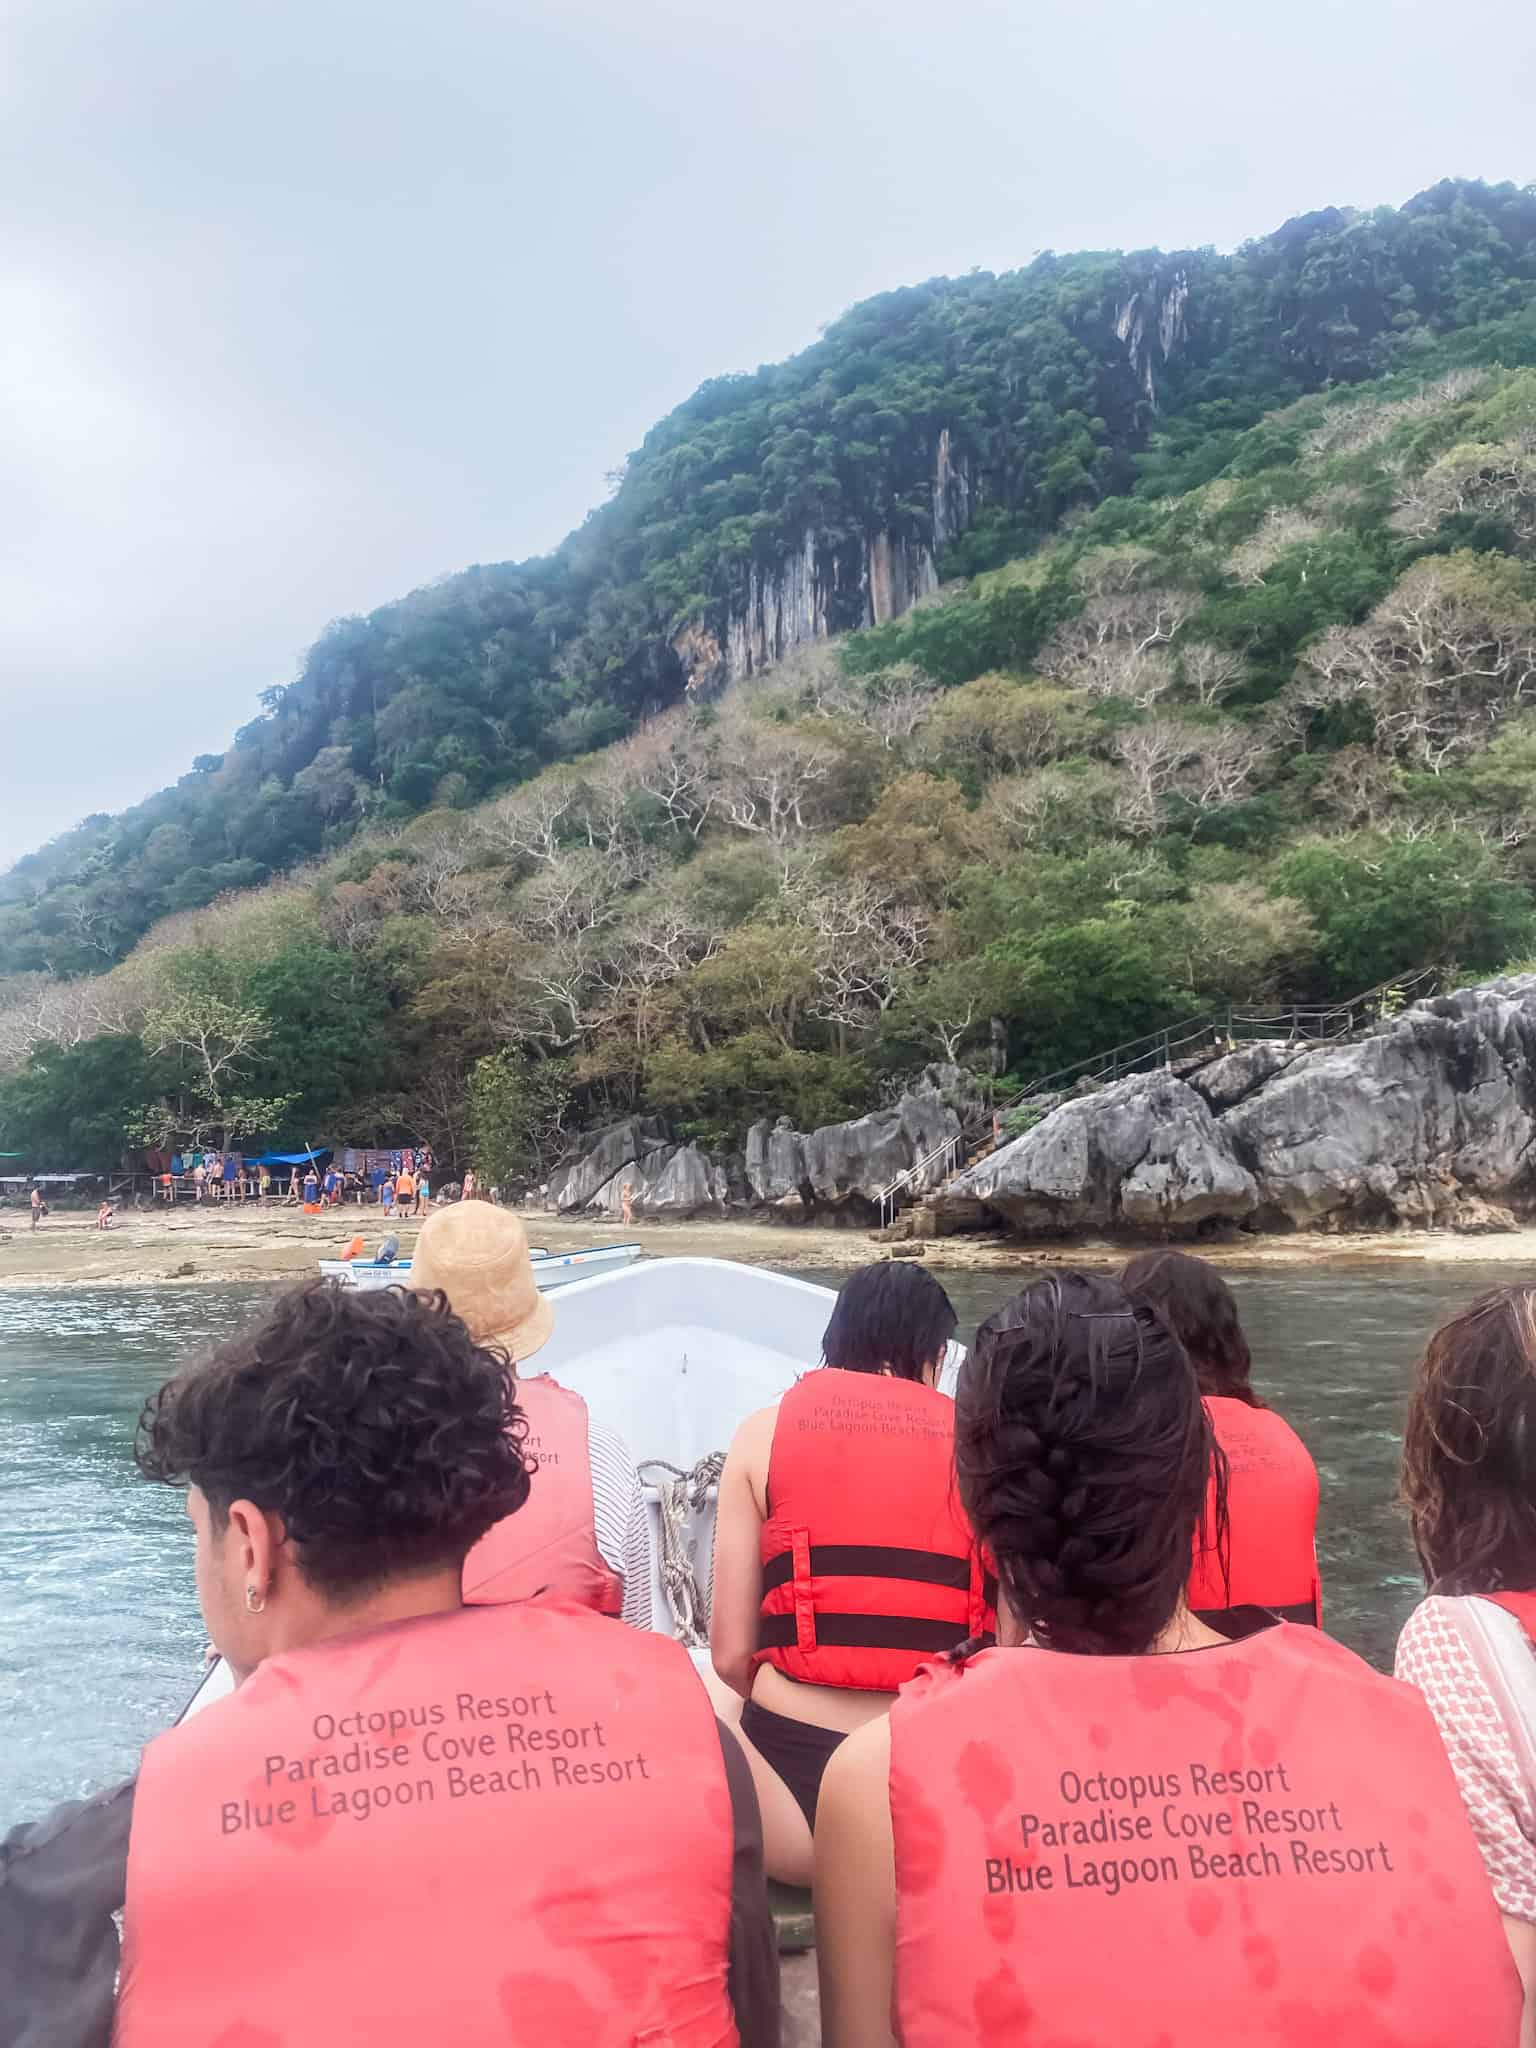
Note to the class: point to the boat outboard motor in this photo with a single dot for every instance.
(388, 1251)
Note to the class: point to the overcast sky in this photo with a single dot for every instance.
(306, 302)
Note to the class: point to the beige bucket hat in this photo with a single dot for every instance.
(478, 1255)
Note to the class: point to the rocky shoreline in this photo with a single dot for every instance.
(1426, 1120)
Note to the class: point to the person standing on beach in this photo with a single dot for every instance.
(39, 1207)
(627, 1203)
(469, 1191)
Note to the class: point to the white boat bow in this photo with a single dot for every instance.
(674, 1354)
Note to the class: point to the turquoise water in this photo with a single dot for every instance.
(99, 1635)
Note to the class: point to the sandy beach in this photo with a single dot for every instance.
(191, 1246)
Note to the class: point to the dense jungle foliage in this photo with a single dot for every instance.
(1235, 698)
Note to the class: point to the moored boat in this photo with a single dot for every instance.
(550, 1269)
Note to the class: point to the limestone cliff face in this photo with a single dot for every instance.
(826, 582)
(828, 585)
(1151, 325)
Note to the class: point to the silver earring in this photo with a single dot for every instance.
(254, 1601)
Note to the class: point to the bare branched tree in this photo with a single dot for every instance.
(1489, 481)
(867, 946)
(768, 774)
(669, 759)
(1440, 662)
(1212, 767)
(1118, 646)
(1210, 673)
(1283, 527)
(527, 822)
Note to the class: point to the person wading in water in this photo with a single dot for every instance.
(414, 1821)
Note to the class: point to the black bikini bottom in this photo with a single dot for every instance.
(796, 1750)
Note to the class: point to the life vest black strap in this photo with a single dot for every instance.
(864, 1632)
(1251, 1616)
(872, 1561)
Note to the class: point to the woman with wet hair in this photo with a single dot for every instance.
(413, 1820)
(842, 1557)
(1469, 1484)
(1119, 1825)
(1270, 1557)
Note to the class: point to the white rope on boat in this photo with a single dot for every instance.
(682, 1495)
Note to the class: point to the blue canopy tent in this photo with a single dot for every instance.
(319, 1155)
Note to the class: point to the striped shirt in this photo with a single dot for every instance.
(619, 1519)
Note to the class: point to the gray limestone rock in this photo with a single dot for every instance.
(776, 1162)
(577, 1179)
(672, 1180)
(1145, 1153)
(1430, 1118)
(1229, 1080)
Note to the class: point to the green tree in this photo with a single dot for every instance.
(1384, 906)
(517, 1112)
(71, 1107)
(1081, 988)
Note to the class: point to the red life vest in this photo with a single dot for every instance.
(501, 1825)
(550, 1545)
(1256, 1843)
(869, 1565)
(1521, 1605)
(1271, 1516)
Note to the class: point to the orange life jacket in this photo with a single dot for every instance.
(1271, 1515)
(869, 1565)
(550, 1545)
(501, 1825)
(1260, 1842)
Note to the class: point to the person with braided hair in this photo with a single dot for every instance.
(1120, 1824)
(842, 1556)
(1270, 1556)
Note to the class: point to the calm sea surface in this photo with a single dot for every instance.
(99, 1634)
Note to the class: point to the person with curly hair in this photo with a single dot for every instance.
(1270, 1558)
(412, 1820)
(1469, 1484)
(1120, 1824)
(842, 1558)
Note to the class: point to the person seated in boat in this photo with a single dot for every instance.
(414, 1821)
(1469, 1483)
(584, 1534)
(842, 1558)
(1119, 1825)
(1272, 1487)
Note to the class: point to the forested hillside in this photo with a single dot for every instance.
(933, 431)
(1238, 697)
